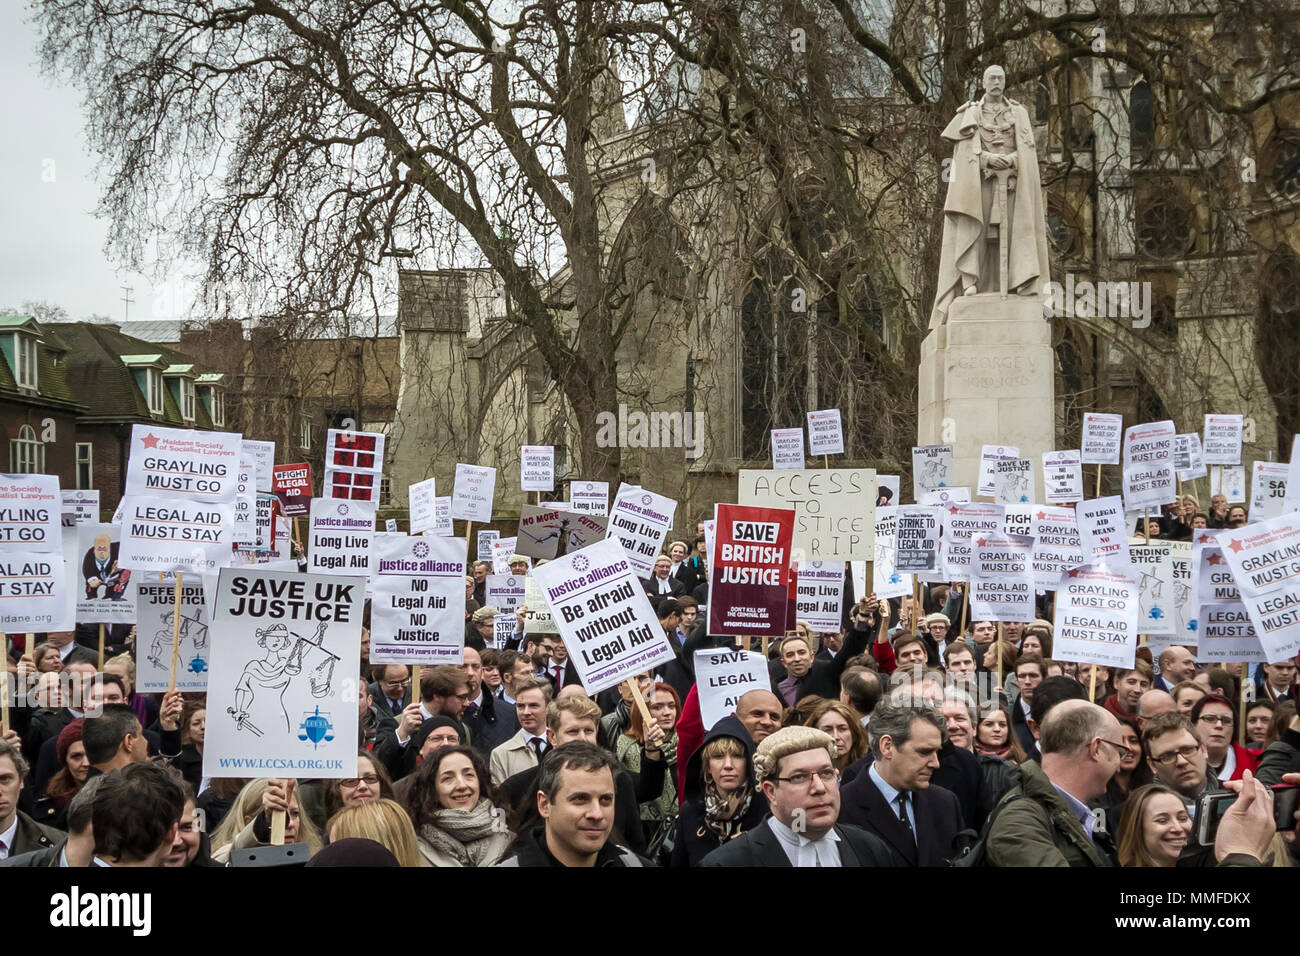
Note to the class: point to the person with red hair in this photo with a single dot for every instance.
(52, 808)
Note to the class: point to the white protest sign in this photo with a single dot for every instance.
(591, 497)
(31, 507)
(245, 499)
(1189, 461)
(1102, 533)
(1227, 634)
(916, 541)
(1102, 434)
(105, 590)
(1062, 477)
(602, 613)
(282, 687)
(176, 534)
(1229, 481)
(1265, 561)
(341, 534)
(722, 677)
(1222, 439)
(825, 433)
(417, 611)
(1149, 465)
(1268, 490)
(544, 532)
(1015, 481)
(639, 521)
(354, 451)
(931, 469)
(834, 509)
(503, 549)
(886, 581)
(1002, 582)
(1096, 620)
(202, 466)
(71, 566)
(787, 448)
(1154, 564)
(989, 458)
(537, 468)
(263, 455)
(1216, 583)
(943, 497)
(505, 592)
(1293, 477)
(155, 618)
(84, 504)
(1056, 545)
(1018, 519)
(471, 495)
(422, 498)
(886, 490)
(821, 595)
(1186, 601)
(961, 522)
(484, 543)
(32, 595)
(442, 516)
(538, 619)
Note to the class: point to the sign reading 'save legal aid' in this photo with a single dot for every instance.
(722, 677)
(601, 611)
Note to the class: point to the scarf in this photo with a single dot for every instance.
(1003, 752)
(723, 813)
(472, 837)
(628, 751)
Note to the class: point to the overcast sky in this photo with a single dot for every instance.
(51, 245)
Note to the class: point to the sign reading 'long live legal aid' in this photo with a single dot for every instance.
(723, 677)
(282, 693)
(834, 509)
(1097, 616)
(601, 611)
(749, 571)
(639, 521)
(417, 611)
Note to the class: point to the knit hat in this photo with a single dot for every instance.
(68, 736)
(787, 741)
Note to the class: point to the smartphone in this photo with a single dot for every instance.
(1211, 807)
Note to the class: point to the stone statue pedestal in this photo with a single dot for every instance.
(988, 378)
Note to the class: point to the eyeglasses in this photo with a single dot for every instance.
(827, 775)
(1187, 753)
(370, 780)
(1124, 749)
(1214, 719)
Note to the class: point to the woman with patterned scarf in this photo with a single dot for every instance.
(457, 819)
(720, 800)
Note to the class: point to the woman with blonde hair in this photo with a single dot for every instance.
(383, 821)
(248, 824)
(844, 728)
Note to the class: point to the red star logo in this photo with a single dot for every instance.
(1073, 572)
(1042, 515)
(1215, 558)
(150, 440)
(952, 510)
(1236, 546)
(1204, 538)
(981, 542)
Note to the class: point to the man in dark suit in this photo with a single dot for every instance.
(894, 799)
(99, 571)
(804, 675)
(391, 692)
(795, 767)
(661, 583)
(559, 670)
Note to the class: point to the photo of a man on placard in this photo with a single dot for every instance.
(99, 569)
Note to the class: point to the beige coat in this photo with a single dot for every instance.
(512, 757)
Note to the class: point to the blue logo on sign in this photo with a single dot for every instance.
(895, 578)
(317, 728)
(197, 666)
(1156, 614)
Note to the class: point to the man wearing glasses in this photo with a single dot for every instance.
(1178, 757)
(795, 767)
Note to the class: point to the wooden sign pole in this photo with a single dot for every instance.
(1092, 685)
(278, 820)
(4, 700)
(176, 632)
(101, 647)
(1097, 492)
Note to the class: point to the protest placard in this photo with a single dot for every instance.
(72, 553)
(931, 469)
(1002, 578)
(354, 451)
(749, 571)
(506, 593)
(1268, 490)
(1265, 562)
(1185, 601)
(245, 499)
(916, 540)
(1102, 434)
(887, 490)
(348, 485)
(1216, 583)
(1292, 502)
(825, 433)
(1221, 439)
(639, 521)
(201, 466)
(422, 498)
(834, 509)
(547, 532)
(582, 530)
(1062, 477)
(292, 487)
(943, 497)
(417, 610)
(1015, 481)
(1154, 564)
(175, 534)
(1229, 481)
(602, 613)
(30, 510)
(537, 468)
(32, 595)
(590, 497)
(820, 601)
(787, 448)
(82, 503)
(960, 523)
(1018, 519)
(1149, 465)
(483, 543)
(341, 536)
(990, 455)
(472, 492)
(282, 687)
(106, 589)
(1056, 545)
(1102, 534)
(442, 516)
(1227, 634)
(537, 619)
(503, 549)
(886, 581)
(263, 455)
(722, 677)
(1189, 460)
(155, 609)
(1096, 619)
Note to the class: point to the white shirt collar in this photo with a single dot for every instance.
(66, 649)
(1229, 764)
(803, 851)
(8, 837)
